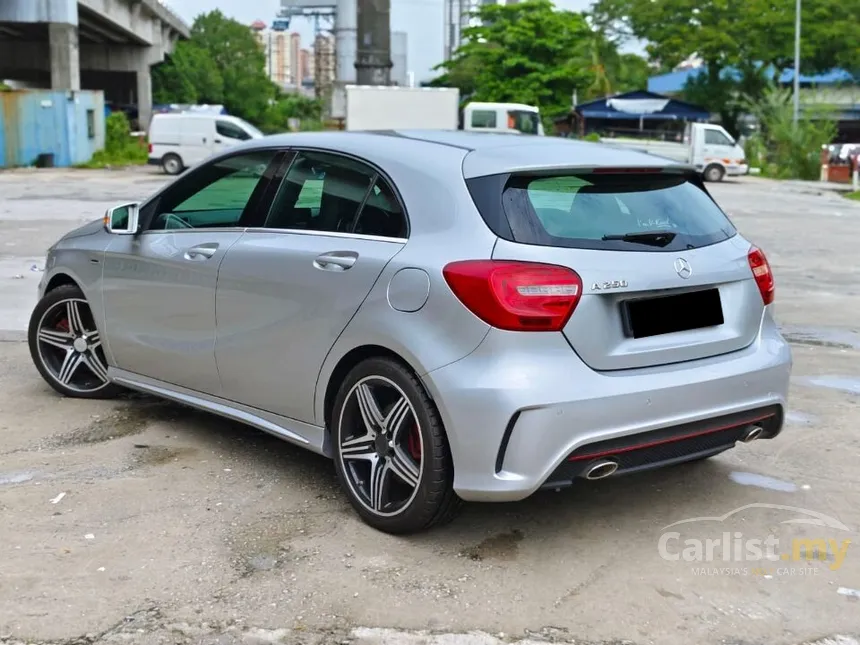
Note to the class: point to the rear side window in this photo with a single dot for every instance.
(635, 212)
(381, 214)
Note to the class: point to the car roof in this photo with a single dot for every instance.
(481, 153)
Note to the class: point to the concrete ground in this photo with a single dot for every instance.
(139, 521)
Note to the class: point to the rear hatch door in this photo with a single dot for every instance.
(666, 278)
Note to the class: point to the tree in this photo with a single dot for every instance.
(753, 37)
(526, 52)
(791, 150)
(614, 72)
(189, 76)
(221, 63)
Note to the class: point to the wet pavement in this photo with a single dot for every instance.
(139, 521)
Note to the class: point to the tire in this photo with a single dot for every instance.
(425, 496)
(65, 346)
(172, 164)
(714, 173)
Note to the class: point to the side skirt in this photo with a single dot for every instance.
(297, 432)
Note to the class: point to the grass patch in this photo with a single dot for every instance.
(855, 195)
(121, 149)
(134, 154)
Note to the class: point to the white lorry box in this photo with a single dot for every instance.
(381, 107)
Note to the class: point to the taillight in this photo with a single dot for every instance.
(150, 148)
(516, 296)
(762, 274)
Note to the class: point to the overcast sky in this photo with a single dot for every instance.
(421, 19)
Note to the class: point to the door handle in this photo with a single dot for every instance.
(217, 140)
(335, 260)
(201, 252)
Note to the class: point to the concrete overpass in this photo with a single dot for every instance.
(108, 45)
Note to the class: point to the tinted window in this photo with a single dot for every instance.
(483, 119)
(321, 192)
(717, 138)
(589, 210)
(215, 195)
(381, 214)
(231, 131)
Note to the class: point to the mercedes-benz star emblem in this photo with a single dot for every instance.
(683, 268)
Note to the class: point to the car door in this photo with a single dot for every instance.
(198, 138)
(287, 291)
(718, 147)
(159, 285)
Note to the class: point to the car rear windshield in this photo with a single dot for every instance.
(611, 211)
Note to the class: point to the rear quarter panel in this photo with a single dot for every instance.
(444, 226)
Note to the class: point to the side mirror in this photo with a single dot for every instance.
(122, 220)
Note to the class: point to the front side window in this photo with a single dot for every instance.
(321, 192)
(524, 121)
(484, 119)
(214, 196)
(231, 131)
(717, 138)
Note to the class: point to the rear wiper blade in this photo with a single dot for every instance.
(652, 238)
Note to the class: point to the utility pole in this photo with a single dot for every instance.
(451, 28)
(796, 62)
(373, 55)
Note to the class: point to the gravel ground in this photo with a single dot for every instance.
(138, 521)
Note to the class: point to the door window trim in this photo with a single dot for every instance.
(338, 234)
(380, 174)
(253, 208)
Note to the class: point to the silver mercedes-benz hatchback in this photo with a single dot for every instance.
(449, 316)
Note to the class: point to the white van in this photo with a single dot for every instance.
(180, 140)
(513, 118)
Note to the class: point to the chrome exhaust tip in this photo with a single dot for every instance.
(601, 469)
(754, 433)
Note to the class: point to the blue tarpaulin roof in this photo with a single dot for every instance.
(674, 81)
(642, 104)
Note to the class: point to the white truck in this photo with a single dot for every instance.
(379, 107)
(706, 146)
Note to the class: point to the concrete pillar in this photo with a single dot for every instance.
(65, 57)
(144, 92)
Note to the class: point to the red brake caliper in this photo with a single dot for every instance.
(414, 444)
(63, 325)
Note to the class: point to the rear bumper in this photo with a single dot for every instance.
(520, 405)
(152, 161)
(667, 446)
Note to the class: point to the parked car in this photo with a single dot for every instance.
(447, 315)
(178, 140)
